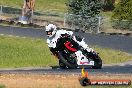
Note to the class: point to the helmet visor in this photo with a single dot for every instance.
(49, 32)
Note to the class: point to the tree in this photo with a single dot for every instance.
(108, 5)
(123, 15)
(84, 13)
(123, 10)
(84, 7)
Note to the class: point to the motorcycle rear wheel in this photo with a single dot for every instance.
(68, 64)
(62, 65)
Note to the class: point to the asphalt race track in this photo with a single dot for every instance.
(116, 69)
(123, 43)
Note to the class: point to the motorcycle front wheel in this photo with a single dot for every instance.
(97, 63)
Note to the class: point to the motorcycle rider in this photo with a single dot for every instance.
(53, 34)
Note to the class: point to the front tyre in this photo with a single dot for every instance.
(97, 63)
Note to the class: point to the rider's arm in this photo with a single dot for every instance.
(51, 47)
(78, 38)
(62, 32)
(69, 33)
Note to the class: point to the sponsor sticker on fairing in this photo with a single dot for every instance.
(86, 63)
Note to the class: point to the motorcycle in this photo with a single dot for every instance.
(72, 55)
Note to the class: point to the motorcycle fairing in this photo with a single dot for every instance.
(82, 60)
(69, 46)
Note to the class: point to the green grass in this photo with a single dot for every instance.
(26, 52)
(106, 14)
(17, 52)
(2, 86)
(51, 5)
(112, 56)
(43, 5)
(46, 6)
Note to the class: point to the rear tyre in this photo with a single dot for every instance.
(62, 65)
(68, 64)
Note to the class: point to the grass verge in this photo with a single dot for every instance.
(18, 52)
(43, 5)
(110, 56)
(2, 86)
(26, 52)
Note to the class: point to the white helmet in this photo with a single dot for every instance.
(50, 30)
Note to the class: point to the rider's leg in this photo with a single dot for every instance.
(85, 46)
